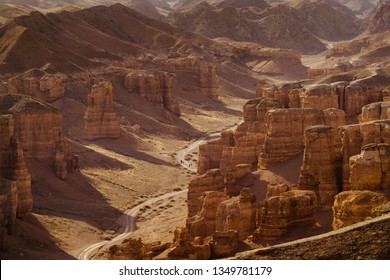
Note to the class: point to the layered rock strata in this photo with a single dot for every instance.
(238, 213)
(15, 182)
(204, 72)
(38, 127)
(285, 131)
(41, 85)
(370, 170)
(154, 86)
(351, 207)
(375, 111)
(321, 168)
(100, 120)
(278, 214)
(355, 137)
(203, 224)
(210, 153)
(223, 244)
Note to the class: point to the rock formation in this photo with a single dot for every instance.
(211, 181)
(278, 214)
(319, 96)
(38, 127)
(355, 137)
(205, 72)
(321, 168)
(155, 86)
(370, 170)
(41, 85)
(375, 111)
(210, 153)
(183, 248)
(100, 119)
(238, 213)
(129, 249)
(351, 207)
(15, 181)
(208, 80)
(285, 130)
(203, 224)
(224, 243)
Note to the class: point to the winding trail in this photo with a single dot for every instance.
(128, 219)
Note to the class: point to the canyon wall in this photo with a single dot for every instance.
(154, 86)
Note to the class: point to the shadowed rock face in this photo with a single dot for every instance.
(15, 182)
(351, 207)
(100, 119)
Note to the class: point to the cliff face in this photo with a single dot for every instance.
(204, 72)
(285, 130)
(155, 86)
(100, 120)
(38, 127)
(41, 85)
(15, 182)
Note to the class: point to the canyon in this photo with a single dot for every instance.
(166, 130)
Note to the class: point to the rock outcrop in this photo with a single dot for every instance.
(210, 153)
(154, 86)
(15, 182)
(321, 168)
(285, 131)
(370, 170)
(224, 243)
(375, 111)
(203, 224)
(183, 248)
(38, 127)
(205, 72)
(129, 249)
(238, 214)
(280, 213)
(319, 96)
(355, 137)
(39, 84)
(211, 181)
(351, 207)
(100, 120)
